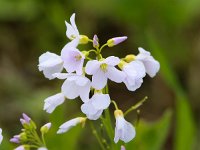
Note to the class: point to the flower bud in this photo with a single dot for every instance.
(114, 41)
(123, 148)
(85, 53)
(83, 39)
(95, 41)
(23, 137)
(129, 58)
(121, 64)
(15, 139)
(45, 128)
(118, 113)
(25, 119)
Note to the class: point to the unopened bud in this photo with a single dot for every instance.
(121, 64)
(123, 148)
(23, 137)
(45, 128)
(114, 41)
(129, 58)
(15, 139)
(83, 39)
(95, 41)
(85, 53)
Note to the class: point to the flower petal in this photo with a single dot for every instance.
(128, 132)
(88, 109)
(72, 20)
(100, 101)
(95, 116)
(84, 92)
(115, 74)
(112, 61)
(152, 66)
(68, 125)
(50, 63)
(92, 67)
(62, 75)
(70, 30)
(53, 101)
(70, 89)
(99, 80)
(68, 55)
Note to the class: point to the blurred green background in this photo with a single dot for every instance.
(169, 29)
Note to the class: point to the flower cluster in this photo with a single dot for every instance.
(87, 78)
(29, 137)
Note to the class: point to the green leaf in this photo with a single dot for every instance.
(185, 125)
(151, 136)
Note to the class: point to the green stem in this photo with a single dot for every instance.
(43, 140)
(33, 146)
(94, 131)
(136, 105)
(92, 50)
(115, 104)
(102, 47)
(90, 40)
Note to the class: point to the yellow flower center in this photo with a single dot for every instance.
(104, 67)
(78, 57)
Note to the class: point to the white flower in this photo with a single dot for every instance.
(73, 59)
(53, 101)
(152, 66)
(123, 130)
(42, 148)
(103, 70)
(135, 71)
(50, 63)
(75, 85)
(71, 123)
(1, 136)
(95, 106)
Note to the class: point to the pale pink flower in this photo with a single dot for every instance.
(151, 65)
(135, 72)
(75, 85)
(123, 130)
(50, 63)
(103, 70)
(95, 106)
(73, 59)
